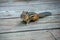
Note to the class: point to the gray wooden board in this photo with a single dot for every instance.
(10, 25)
(3, 1)
(56, 33)
(15, 9)
(8, 10)
(35, 35)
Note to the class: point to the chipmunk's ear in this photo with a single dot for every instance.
(25, 12)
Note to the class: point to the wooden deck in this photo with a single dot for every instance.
(47, 28)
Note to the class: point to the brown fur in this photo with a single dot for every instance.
(33, 17)
(28, 18)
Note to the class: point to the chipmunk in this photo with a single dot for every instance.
(32, 17)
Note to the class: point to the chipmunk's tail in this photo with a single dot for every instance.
(44, 14)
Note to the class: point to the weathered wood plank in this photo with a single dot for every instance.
(37, 35)
(56, 33)
(9, 25)
(15, 9)
(12, 25)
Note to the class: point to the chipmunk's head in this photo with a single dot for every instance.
(25, 16)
